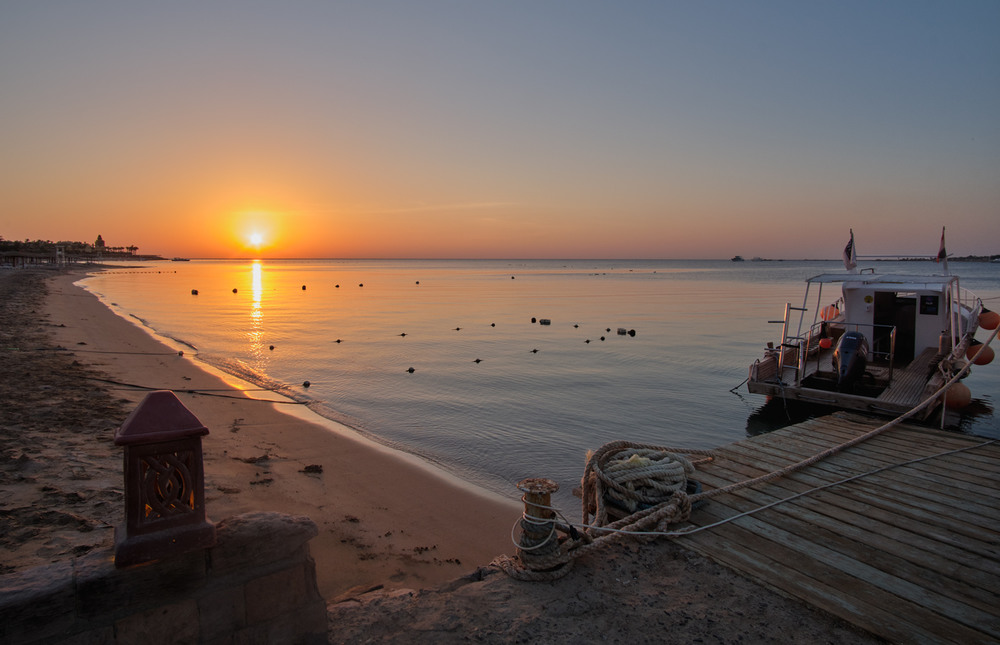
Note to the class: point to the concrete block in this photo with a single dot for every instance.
(221, 613)
(37, 603)
(276, 594)
(104, 589)
(176, 624)
(252, 538)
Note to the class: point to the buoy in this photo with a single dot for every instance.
(411, 370)
(985, 358)
(234, 290)
(180, 353)
(533, 319)
(306, 383)
(478, 360)
(631, 333)
(958, 396)
(194, 292)
(989, 319)
(336, 286)
(825, 343)
(361, 284)
(271, 348)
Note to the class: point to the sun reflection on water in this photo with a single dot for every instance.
(256, 333)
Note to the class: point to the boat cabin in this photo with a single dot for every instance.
(917, 328)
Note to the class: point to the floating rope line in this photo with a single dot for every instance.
(654, 520)
(99, 351)
(201, 392)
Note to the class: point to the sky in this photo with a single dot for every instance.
(513, 129)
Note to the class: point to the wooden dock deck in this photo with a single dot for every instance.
(910, 554)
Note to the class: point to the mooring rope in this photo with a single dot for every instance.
(556, 560)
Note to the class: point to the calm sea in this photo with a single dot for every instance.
(448, 359)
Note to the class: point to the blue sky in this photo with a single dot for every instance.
(513, 129)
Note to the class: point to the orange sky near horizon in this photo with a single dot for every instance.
(502, 131)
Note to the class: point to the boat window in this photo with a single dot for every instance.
(929, 305)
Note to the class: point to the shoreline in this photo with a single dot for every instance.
(302, 410)
(378, 541)
(380, 516)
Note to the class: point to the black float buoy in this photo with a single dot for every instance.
(306, 383)
(194, 292)
(533, 319)
(271, 348)
(234, 290)
(411, 370)
(303, 287)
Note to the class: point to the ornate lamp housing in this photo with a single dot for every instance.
(164, 482)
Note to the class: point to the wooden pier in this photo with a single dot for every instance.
(910, 553)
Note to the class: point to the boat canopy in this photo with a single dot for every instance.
(902, 282)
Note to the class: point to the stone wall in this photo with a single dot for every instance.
(257, 585)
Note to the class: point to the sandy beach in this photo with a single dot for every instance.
(402, 550)
(383, 519)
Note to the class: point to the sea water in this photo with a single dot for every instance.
(501, 370)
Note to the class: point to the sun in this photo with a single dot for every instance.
(256, 239)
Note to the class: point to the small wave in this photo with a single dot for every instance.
(145, 323)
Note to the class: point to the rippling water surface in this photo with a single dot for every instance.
(492, 396)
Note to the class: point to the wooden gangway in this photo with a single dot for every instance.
(910, 553)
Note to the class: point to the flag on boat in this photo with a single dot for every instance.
(850, 254)
(942, 255)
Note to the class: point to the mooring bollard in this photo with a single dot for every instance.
(164, 482)
(539, 543)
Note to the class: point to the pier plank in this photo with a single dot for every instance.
(910, 553)
(910, 513)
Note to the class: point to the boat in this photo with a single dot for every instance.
(180, 259)
(878, 343)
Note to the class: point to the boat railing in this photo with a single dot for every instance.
(810, 344)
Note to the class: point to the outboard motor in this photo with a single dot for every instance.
(850, 358)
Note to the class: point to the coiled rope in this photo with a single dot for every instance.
(551, 556)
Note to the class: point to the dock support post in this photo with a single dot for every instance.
(539, 543)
